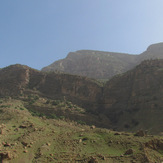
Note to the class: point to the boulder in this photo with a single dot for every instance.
(140, 133)
(93, 160)
(5, 155)
(93, 127)
(129, 152)
(24, 143)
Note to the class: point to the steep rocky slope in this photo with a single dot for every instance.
(19, 79)
(129, 101)
(134, 100)
(93, 64)
(103, 65)
(13, 80)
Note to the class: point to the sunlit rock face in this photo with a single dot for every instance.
(93, 64)
(103, 65)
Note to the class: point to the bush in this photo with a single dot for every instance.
(53, 116)
(48, 102)
(32, 99)
(62, 117)
(34, 113)
(81, 122)
(55, 102)
(5, 106)
(1, 101)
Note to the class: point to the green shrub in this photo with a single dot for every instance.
(56, 102)
(5, 106)
(32, 99)
(81, 122)
(53, 116)
(1, 101)
(48, 102)
(62, 117)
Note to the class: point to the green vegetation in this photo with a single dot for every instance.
(32, 99)
(35, 138)
(81, 122)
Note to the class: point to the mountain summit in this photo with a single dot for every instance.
(103, 65)
(93, 64)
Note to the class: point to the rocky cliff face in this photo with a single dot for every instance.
(17, 79)
(103, 65)
(134, 100)
(131, 101)
(79, 90)
(13, 80)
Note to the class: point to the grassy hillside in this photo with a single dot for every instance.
(25, 137)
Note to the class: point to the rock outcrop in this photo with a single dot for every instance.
(13, 80)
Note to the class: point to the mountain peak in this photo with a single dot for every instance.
(156, 47)
(102, 64)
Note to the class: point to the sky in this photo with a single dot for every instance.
(38, 32)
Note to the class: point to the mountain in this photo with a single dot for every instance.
(19, 79)
(129, 101)
(93, 64)
(44, 117)
(61, 89)
(103, 65)
(154, 51)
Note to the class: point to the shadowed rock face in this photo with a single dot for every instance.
(134, 100)
(13, 80)
(16, 79)
(103, 65)
(79, 90)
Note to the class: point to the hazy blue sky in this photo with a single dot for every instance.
(38, 32)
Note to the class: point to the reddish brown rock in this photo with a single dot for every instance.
(92, 160)
(5, 155)
(140, 133)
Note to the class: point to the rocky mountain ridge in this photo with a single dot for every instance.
(103, 65)
(130, 101)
